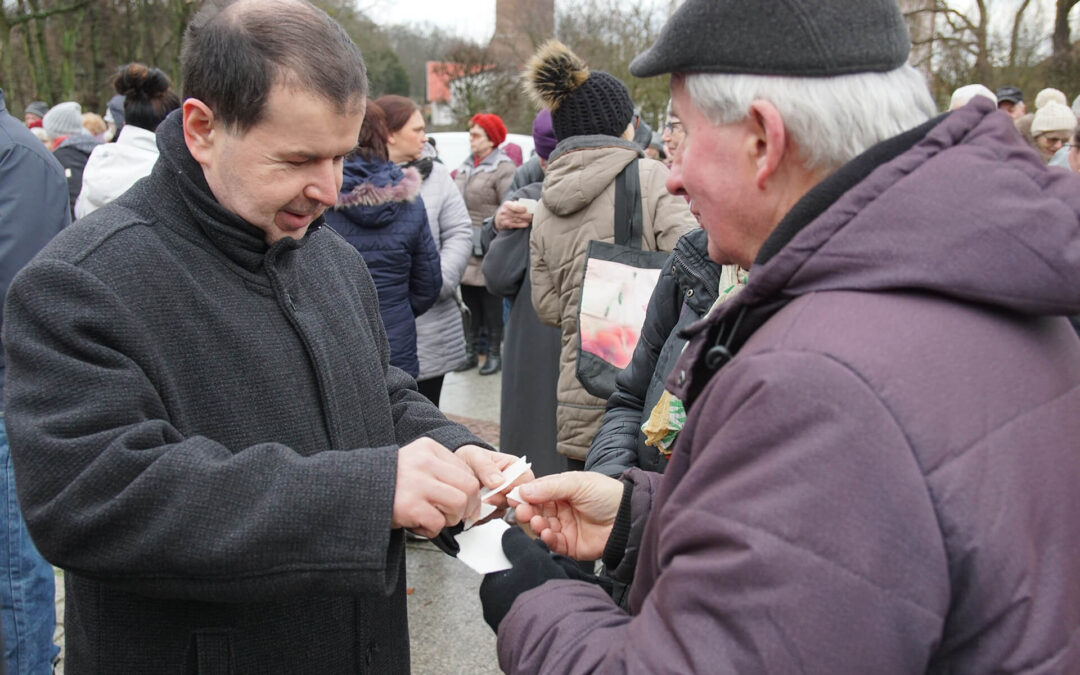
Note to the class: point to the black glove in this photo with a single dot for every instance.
(445, 539)
(533, 564)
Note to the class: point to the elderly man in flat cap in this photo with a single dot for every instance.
(879, 469)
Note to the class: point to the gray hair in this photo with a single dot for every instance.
(832, 120)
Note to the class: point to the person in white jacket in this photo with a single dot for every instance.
(114, 167)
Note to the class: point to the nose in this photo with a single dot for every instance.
(674, 183)
(324, 183)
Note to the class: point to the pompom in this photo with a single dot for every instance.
(553, 73)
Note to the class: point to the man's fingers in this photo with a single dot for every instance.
(560, 486)
(482, 463)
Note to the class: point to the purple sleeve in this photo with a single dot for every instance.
(792, 532)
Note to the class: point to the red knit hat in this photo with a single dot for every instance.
(492, 125)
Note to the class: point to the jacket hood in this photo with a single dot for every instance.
(960, 207)
(581, 167)
(82, 142)
(373, 191)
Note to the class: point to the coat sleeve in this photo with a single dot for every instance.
(455, 233)
(425, 279)
(112, 490)
(615, 446)
(504, 176)
(793, 532)
(671, 216)
(545, 297)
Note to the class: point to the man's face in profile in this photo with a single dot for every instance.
(282, 173)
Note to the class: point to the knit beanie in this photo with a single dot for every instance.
(582, 102)
(38, 108)
(1053, 117)
(1050, 95)
(797, 38)
(492, 125)
(544, 139)
(63, 119)
(963, 95)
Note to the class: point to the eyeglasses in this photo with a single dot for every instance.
(672, 126)
(1055, 140)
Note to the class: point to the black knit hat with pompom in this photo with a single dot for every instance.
(582, 102)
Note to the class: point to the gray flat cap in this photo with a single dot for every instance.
(800, 38)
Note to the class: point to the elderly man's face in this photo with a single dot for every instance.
(30, 118)
(715, 167)
(281, 174)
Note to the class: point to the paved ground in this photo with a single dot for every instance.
(446, 627)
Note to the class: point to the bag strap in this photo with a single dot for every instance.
(628, 218)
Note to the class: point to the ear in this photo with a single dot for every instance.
(771, 140)
(200, 130)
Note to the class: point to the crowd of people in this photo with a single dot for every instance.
(844, 439)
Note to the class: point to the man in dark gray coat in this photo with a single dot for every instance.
(33, 209)
(879, 467)
(207, 434)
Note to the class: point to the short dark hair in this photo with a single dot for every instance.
(148, 96)
(373, 134)
(235, 52)
(399, 110)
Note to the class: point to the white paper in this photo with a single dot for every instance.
(515, 494)
(529, 204)
(510, 474)
(481, 547)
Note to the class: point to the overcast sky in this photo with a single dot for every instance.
(474, 19)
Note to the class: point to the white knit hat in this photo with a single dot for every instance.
(63, 119)
(1053, 116)
(964, 94)
(1049, 95)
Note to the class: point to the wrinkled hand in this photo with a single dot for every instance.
(572, 512)
(512, 216)
(487, 466)
(435, 488)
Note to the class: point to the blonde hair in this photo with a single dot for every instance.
(94, 123)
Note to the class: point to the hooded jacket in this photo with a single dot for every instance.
(883, 479)
(381, 214)
(114, 167)
(578, 205)
(205, 433)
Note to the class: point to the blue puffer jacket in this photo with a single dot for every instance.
(381, 214)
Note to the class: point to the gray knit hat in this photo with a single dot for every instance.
(63, 119)
(800, 38)
(38, 108)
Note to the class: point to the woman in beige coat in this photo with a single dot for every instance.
(483, 178)
(592, 122)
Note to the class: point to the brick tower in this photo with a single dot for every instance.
(520, 27)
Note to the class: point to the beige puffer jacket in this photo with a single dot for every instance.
(578, 205)
(483, 187)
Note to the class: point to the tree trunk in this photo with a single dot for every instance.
(1062, 40)
(1014, 39)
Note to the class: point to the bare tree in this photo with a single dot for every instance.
(1062, 40)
